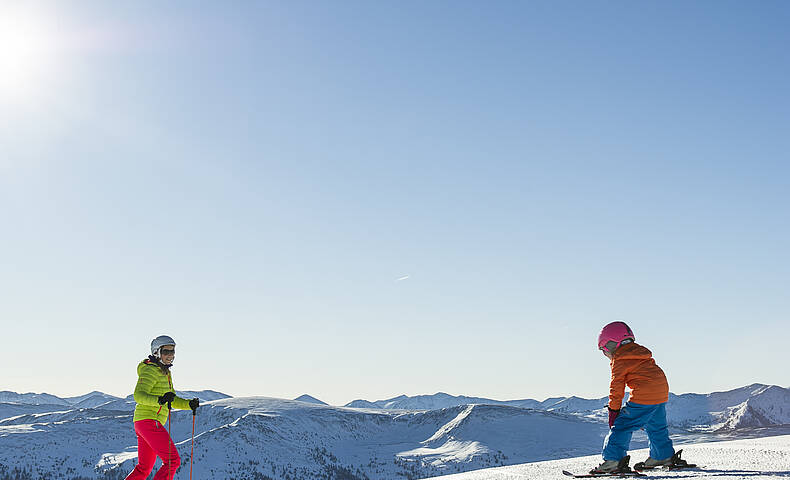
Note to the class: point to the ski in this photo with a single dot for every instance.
(665, 468)
(612, 474)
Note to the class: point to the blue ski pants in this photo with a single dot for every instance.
(633, 416)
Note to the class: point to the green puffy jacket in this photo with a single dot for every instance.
(151, 384)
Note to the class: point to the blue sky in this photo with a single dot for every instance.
(254, 179)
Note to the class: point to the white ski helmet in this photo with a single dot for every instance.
(160, 342)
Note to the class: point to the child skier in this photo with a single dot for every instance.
(154, 395)
(633, 365)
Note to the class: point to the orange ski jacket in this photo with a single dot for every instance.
(633, 365)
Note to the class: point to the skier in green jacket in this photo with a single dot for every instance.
(155, 396)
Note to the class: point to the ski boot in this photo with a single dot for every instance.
(672, 463)
(613, 467)
(609, 468)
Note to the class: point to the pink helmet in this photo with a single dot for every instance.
(614, 335)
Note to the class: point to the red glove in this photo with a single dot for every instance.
(612, 415)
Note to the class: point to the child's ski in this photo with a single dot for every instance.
(623, 470)
(612, 474)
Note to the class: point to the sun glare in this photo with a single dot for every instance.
(27, 51)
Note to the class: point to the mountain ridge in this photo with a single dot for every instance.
(262, 437)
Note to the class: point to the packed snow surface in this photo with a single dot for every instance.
(754, 459)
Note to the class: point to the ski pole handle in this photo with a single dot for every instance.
(194, 404)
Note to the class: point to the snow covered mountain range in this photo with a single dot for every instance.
(754, 405)
(406, 437)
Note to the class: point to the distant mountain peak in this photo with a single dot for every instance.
(309, 399)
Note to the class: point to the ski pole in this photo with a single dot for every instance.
(170, 441)
(192, 454)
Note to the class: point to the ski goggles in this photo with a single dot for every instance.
(167, 351)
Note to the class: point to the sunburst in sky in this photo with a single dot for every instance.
(28, 51)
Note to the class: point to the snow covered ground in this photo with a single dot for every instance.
(761, 458)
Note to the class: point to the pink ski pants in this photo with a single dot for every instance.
(154, 441)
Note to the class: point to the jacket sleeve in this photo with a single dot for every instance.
(180, 404)
(617, 385)
(145, 383)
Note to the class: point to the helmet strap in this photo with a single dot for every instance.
(611, 346)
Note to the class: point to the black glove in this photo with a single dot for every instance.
(194, 404)
(167, 398)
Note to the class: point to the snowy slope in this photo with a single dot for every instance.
(244, 437)
(436, 401)
(306, 440)
(751, 406)
(765, 458)
(203, 395)
(13, 409)
(31, 398)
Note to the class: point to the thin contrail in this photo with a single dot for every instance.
(402, 278)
